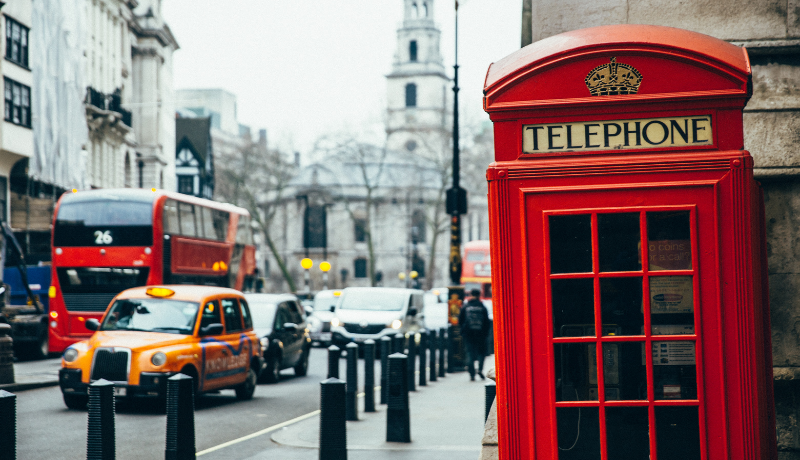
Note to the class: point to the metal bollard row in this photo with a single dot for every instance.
(8, 425)
(398, 420)
(491, 392)
(411, 362)
(100, 440)
(369, 376)
(352, 381)
(180, 443)
(334, 353)
(399, 343)
(423, 357)
(386, 348)
(442, 348)
(332, 424)
(432, 344)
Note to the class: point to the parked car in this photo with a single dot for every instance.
(373, 312)
(151, 333)
(435, 309)
(280, 323)
(319, 321)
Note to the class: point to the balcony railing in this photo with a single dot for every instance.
(112, 102)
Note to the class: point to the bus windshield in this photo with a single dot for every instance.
(152, 315)
(104, 223)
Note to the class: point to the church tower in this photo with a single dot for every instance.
(418, 119)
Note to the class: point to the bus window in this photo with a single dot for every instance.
(186, 212)
(208, 223)
(171, 222)
(221, 219)
(244, 234)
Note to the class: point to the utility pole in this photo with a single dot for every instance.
(456, 196)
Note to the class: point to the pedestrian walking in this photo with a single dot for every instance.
(474, 323)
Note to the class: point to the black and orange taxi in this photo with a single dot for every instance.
(151, 333)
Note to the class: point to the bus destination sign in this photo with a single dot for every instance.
(642, 133)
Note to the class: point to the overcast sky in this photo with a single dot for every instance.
(304, 68)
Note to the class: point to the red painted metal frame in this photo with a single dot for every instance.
(684, 74)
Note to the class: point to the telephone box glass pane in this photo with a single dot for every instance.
(573, 307)
(578, 433)
(571, 244)
(627, 433)
(677, 433)
(669, 240)
(619, 242)
(576, 372)
(674, 370)
(624, 371)
(671, 305)
(621, 306)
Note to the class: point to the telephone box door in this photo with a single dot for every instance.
(630, 296)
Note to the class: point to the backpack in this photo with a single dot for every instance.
(474, 318)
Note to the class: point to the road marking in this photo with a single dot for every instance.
(268, 430)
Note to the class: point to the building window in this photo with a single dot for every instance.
(412, 51)
(315, 231)
(16, 42)
(360, 267)
(360, 226)
(186, 185)
(411, 95)
(18, 103)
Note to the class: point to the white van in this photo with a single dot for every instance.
(373, 312)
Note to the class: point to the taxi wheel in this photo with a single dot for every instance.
(246, 389)
(272, 373)
(77, 402)
(301, 369)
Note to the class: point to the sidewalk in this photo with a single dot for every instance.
(34, 374)
(446, 423)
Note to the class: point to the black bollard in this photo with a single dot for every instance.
(386, 347)
(423, 357)
(442, 348)
(8, 425)
(369, 375)
(432, 344)
(332, 425)
(6, 354)
(100, 441)
(352, 381)
(491, 392)
(334, 353)
(398, 419)
(180, 418)
(412, 362)
(399, 343)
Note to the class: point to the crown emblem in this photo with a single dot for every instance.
(613, 79)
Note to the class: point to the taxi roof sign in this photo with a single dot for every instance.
(159, 292)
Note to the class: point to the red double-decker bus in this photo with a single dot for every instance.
(476, 268)
(108, 240)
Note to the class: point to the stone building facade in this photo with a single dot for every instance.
(770, 30)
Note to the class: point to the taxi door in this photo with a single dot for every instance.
(237, 345)
(212, 349)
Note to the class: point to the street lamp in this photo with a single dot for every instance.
(306, 263)
(456, 202)
(413, 276)
(402, 276)
(324, 266)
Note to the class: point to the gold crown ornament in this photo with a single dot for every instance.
(613, 79)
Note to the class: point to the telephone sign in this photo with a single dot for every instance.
(628, 250)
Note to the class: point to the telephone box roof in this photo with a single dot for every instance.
(668, 40)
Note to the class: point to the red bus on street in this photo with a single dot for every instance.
(476, 268)
(107, 240)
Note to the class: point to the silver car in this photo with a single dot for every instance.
(373, 312)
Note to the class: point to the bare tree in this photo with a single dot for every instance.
(255, 177)
(366, 161)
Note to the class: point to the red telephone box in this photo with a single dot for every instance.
(629, 262)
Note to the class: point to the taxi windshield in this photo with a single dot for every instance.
(152, 315)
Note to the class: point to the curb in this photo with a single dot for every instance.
(12, 387)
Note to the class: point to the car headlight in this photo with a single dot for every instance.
(158, 359)
(335, 322)
(397, 324)
(70, 355)
(264, 343)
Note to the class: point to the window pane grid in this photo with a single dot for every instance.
(647, 338)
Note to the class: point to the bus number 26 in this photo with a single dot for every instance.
(101, 237)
